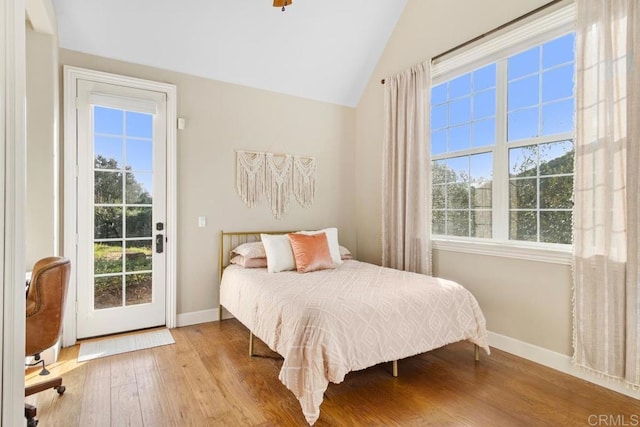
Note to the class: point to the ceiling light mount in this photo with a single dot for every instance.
(282, 3)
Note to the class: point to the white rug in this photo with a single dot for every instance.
(123, 344)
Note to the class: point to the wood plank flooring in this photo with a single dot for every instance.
(207, 379)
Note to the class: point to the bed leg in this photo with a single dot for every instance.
(250, 344)
(220, 313)
(476, 352)
(395, 368)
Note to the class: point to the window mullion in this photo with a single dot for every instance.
(501, 158)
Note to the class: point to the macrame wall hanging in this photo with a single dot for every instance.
(250, 177)
(278, 183)
(278, 176)
(304, 180)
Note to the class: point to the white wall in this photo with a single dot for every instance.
(528, 301)
(42, 145)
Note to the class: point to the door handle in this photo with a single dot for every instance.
(159, 243)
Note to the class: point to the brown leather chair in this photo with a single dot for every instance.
(46, 297)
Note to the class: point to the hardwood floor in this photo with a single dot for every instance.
(207, 379)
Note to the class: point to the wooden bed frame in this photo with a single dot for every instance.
(231, 239)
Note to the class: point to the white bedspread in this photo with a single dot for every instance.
(328, 323)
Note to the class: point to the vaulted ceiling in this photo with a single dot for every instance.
(322, 50)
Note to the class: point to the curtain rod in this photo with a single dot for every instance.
(488, 33)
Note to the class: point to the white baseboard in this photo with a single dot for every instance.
(49, 355)
(195, 317)
(557, 361)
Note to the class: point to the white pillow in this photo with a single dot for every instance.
(250, 250)
(345, 253)
(332, 240)
(279, 252)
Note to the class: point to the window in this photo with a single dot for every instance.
(463, 118)
(502, 147)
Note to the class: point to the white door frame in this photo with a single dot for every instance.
(123, 316)
(12, 193)
(71, 76)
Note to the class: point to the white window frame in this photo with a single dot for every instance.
(550, 24)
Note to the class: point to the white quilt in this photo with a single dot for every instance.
(328, 323)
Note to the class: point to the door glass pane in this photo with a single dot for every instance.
(123, 166)
(139, 154)
(108, 187)
(138, 188)
(138, 222)
(139, 289)
(139, 124)
(107, 257)
(107, 120)
(138, 255)
(107, 151)
(108, 222)
(107, 292)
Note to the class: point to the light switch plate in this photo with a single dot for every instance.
(202, 221)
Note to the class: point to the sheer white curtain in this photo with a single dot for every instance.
(607, 189)
(406, 175)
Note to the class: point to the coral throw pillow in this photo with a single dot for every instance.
(311, 252)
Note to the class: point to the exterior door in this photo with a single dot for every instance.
(121, 148)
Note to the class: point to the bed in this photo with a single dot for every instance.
(330, 322)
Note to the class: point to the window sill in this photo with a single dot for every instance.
(554, 254)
